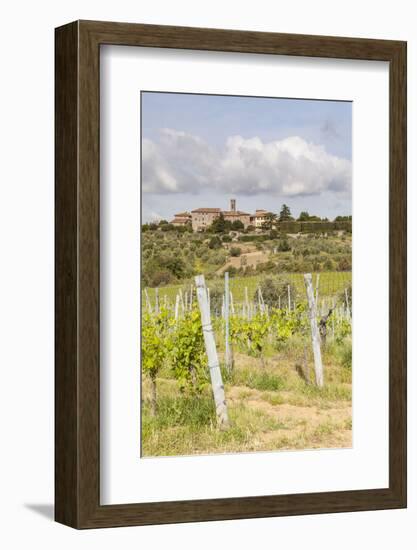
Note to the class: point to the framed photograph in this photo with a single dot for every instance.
(230, 274)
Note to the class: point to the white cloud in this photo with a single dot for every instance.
(179, 162)
(155, 217)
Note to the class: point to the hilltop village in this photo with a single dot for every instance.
(212, 240)
(202, 218)
(207, 218)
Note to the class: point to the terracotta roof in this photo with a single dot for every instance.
(214, 210)
(182, 215)
(261, 214)
(234, 213)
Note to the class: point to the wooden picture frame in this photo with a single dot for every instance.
(77, 374)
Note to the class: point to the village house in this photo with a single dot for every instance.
(233, 215)
(183, 218)
(202, 218)
(259, 218)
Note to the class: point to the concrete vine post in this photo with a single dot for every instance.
(177, 306)
(227, 354)
(315, 335)
(182, 302)
(213, 361)
(317, 288)
(248, 313)
(347, 303)
(148, 302)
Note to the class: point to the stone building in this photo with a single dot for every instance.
(233, 215)
(181, 219)
(201, 218)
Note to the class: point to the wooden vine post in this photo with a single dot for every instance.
(213, 361)
(315, 335)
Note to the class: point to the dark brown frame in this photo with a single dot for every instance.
(77, 358)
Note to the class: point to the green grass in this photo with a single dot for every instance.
(270, 407)
(330, 284)
(330, 392)
(176, 431)
(181, 410)
(259, 380)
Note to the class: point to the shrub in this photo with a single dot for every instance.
(329, 265)
(237, 225)
(345, 264)
(214, 243)
(284, 246)
(167, 226)
(275, 291)
(160, 278)
(267, 267)
(235, 251)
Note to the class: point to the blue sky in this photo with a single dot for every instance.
(200, 150)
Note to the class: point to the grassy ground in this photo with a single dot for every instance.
(270, 407)
(330, 284)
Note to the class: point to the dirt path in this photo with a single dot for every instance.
(251, 259)
(300, 427)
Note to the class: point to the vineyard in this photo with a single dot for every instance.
(330, 284)
(247, 364)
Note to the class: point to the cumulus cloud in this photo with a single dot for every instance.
(179, 162)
